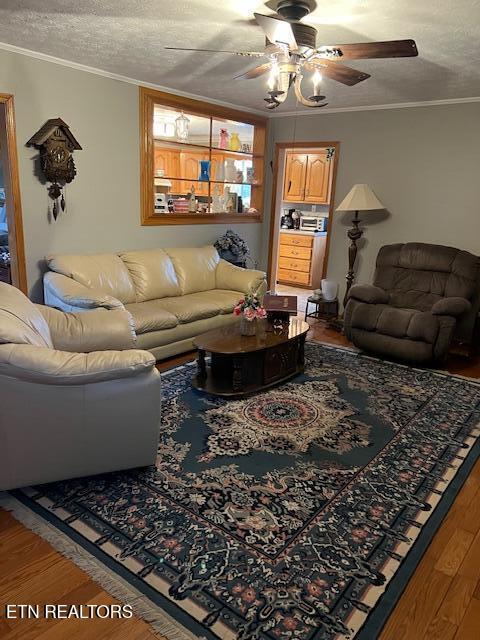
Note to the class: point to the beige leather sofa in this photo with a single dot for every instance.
(67, 407)
(173, 295)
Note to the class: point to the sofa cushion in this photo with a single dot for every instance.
(153, 274)
(20, 320)
(194, 306)
(195, 268)
(397, 323)
(105, 272)
(149, 316)
(223, 299)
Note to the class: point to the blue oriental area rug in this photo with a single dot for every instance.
(298, 513)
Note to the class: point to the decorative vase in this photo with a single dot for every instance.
(223, 139)
(204, 170)
(220, 172)
(230, 170)
(234, 143)
(248, 327)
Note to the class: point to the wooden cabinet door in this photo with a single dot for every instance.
(168, 161)
(295, 175)
(317, 183)
(190, 170)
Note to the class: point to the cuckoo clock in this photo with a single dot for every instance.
(56, 144)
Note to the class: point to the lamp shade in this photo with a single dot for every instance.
(360, 198)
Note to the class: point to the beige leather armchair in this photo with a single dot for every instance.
(68, 408)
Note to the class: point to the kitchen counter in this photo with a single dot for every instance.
(302, 232)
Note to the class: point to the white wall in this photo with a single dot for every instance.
(423, 163)
(104, 199)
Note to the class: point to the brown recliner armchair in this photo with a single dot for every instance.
(422, 296)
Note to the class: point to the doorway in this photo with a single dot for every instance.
(12, 252)
(302, 209)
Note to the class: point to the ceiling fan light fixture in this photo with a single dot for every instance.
(317, 98)
(293, 9)
(316, 80)
(314, 101)
(273, 77)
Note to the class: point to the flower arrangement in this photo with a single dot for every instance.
(233, 243)
(250, 308)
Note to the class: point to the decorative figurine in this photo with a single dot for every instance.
(192, 202)
(218, 201)
(230, 170)
(56, 144)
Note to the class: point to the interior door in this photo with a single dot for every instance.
(13, 261)
(317, 183)
(295, 176)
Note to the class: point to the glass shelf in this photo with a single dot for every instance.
(248, 154)
(238, 184)
(180, 143)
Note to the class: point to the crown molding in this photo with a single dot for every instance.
(265, 114)
(376, 107)
(115, 76)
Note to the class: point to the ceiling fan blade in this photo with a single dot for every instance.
(277, 30)
(390, 49)
(255, 72)
(247, 54)
(336, 71)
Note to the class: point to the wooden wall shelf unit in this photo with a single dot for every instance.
(178, 160)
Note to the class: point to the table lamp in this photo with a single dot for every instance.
(359, 198)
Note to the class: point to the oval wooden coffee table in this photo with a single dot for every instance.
(244, 364)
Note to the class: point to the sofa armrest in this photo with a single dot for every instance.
(96, 330)
(368, 293)
(48, 366)
(67, 294)
(233, 278)
(453, 306)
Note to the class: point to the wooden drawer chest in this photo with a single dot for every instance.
(300, 259)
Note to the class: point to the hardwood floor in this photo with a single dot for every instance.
(441, 601)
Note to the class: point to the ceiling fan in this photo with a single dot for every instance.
(291, 49)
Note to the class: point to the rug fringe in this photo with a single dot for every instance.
(163, 626)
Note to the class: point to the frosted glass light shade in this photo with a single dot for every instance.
(360, 198)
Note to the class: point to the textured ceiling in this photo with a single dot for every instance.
(127, 37)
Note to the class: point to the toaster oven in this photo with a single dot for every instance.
(313, 223)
